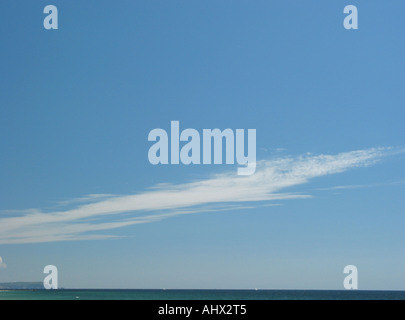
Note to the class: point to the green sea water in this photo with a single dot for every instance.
(199, 295)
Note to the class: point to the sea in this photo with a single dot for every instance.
(199, 295)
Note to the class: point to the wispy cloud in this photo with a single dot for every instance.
(86, 199)
(363, 186)
(2, 264)
(97, 213)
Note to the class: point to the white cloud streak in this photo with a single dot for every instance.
(363, 186)
(2, 264)
(218, 193)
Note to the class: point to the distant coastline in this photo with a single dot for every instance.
(8, 286)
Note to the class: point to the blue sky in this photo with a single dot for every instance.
(78, 103)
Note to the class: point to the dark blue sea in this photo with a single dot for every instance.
(199, 295)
